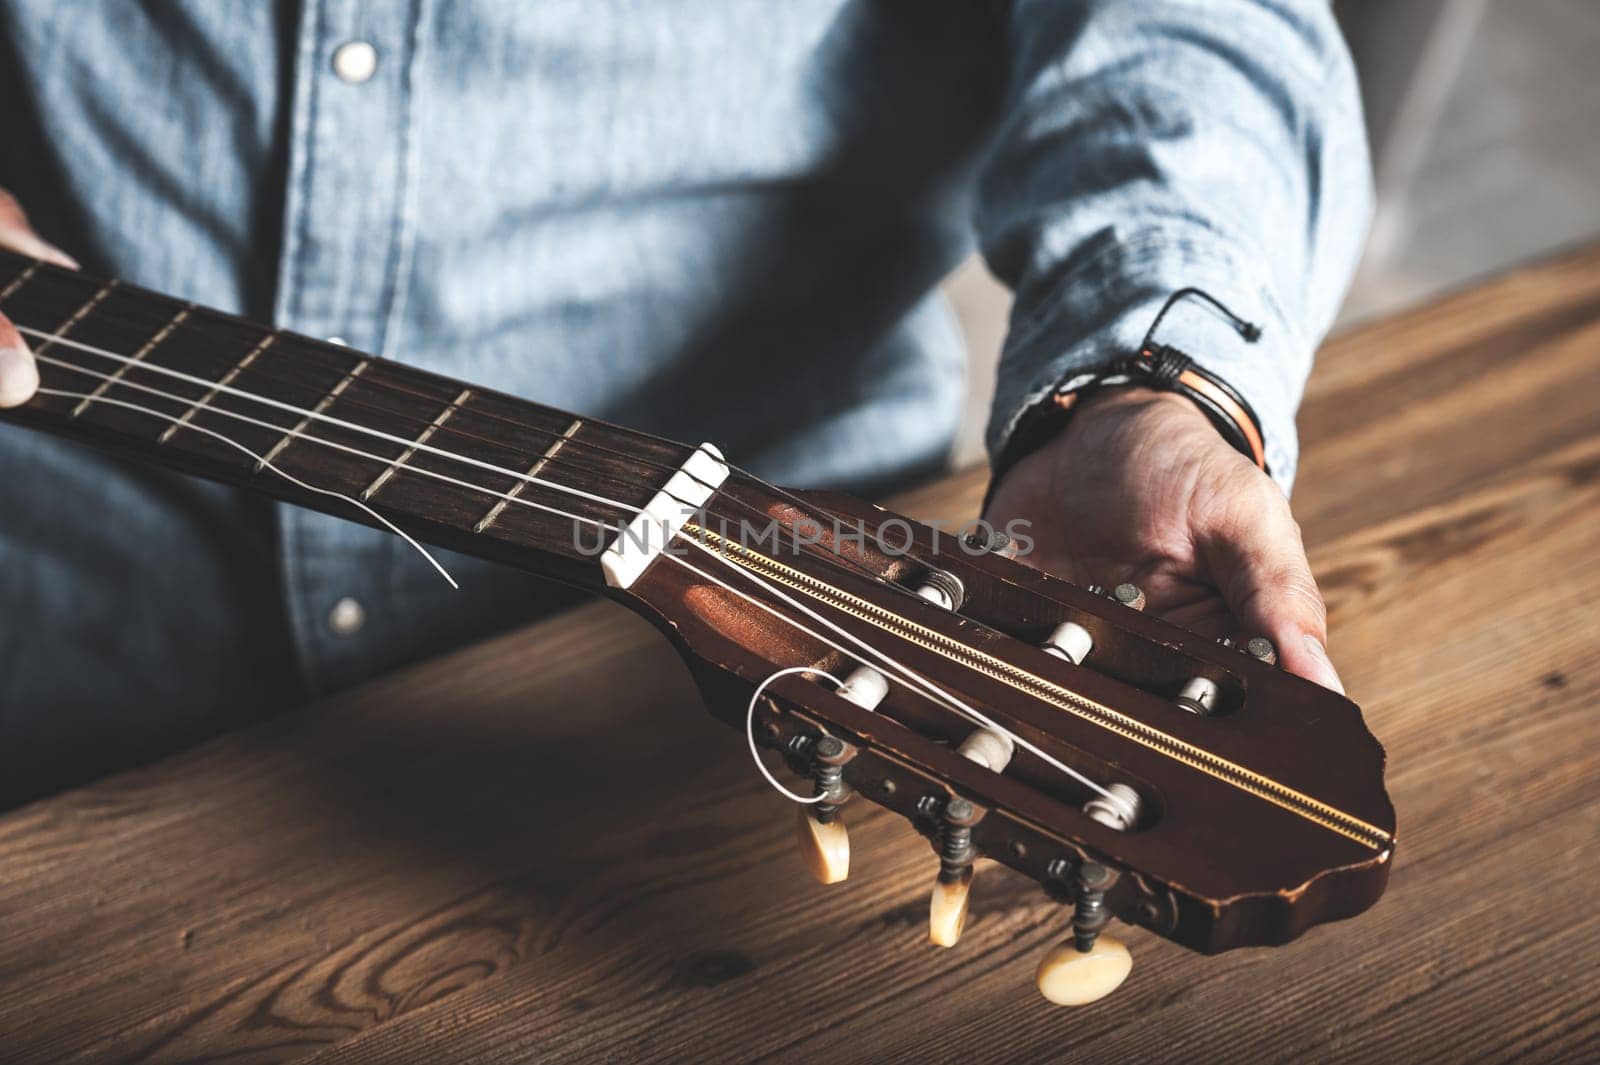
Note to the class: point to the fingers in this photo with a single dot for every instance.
(1253, 548)
(19, 374)
(17, 235)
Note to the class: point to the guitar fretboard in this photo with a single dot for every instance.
(456, 465)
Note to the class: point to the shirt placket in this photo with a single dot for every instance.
(341, 278)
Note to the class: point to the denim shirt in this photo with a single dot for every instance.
(721, 220)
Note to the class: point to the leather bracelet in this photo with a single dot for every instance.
(1160, 367)
(1166, 369)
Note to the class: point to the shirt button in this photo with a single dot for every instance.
(355, 62)
(347, 617)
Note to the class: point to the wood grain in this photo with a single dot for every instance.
(542, 849)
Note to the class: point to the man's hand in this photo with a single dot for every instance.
(19, 376)
(1140, 487)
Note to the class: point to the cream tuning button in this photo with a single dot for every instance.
(1068, 976)
(1089, 966)
(825, 848)
(947, 910)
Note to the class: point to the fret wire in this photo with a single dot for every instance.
(351, 399)
(335, 445)
(77, 316)
(17, 281)
(323, 404)
(227, 379)
(550, 453)
(146, 348)
(433, 427)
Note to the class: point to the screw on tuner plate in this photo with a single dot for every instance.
(985, 538)
(1261, 648)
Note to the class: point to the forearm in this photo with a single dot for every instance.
(1156, 145)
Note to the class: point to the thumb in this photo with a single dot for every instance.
(19, 374)
(1259, 563)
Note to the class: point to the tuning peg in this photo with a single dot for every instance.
(824, 840)
(1068, 976)
(947, 910)
(1089, 966)
(824, 847)
(947, 906)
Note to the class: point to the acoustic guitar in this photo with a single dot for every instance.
(1130, 768)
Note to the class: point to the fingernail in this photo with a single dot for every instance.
(1324, 673)
(19, 377)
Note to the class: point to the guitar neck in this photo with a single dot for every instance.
(455, 465)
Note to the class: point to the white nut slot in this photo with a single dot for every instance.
(865, 687)
(1119, 809)
(1069, 640)
(988, 748)
(639, 542)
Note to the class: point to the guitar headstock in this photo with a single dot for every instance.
(1128, 766)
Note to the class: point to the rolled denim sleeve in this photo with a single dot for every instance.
(1152, 145)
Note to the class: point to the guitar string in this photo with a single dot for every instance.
(940, 695)
(310, 356)
(831, 557)
(750, 729)
(335, 445)
(915, 679)
(626, 508)
(391, 526)
(905, 674)
(909, 676)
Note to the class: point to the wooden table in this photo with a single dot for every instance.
(541, 848)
